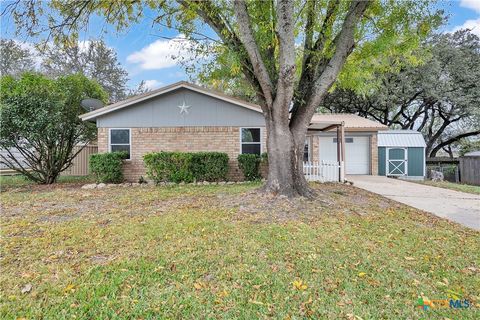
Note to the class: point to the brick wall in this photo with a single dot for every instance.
(185, 139)
(374, 154)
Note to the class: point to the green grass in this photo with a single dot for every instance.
(193, 252)
(20, 181)
(454, 186)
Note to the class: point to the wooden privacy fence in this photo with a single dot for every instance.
(80, 164)
(470, 170)
(323, 171)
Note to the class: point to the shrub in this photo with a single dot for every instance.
(107, 167)
(209, 166)
(250, 165)
(186, 166)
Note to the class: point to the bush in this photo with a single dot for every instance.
(209, 166)
(186, 166)
(250, 165)
(107, 167)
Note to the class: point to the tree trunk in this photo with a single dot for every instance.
(285, 162)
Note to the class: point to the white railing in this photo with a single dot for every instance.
(323, 171)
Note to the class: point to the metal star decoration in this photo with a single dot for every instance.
(184, 109)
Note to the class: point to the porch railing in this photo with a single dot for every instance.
(323, 171)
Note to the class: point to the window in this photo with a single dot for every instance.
(347, 140)
(251, 140)
(306, 151)
(120, 140)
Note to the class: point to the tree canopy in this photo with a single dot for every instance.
(14, 59)
(39, 119)
(92, 58)
(438, 97)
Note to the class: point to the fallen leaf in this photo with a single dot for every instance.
(223, 294)
(299, 285)
(70, 288)
(198, 285)
(27, 288)
(362, 274)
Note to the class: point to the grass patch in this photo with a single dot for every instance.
(453, 186)
(194, 252)
(16, 181)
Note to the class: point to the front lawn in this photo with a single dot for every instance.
(453, 186)
(16, 181)
(199, 252)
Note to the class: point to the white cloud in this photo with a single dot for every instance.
(473, 24)
(152, 84)
(161, 54)
(471, 4)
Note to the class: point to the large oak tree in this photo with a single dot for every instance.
(289, 52)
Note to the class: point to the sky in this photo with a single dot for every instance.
(147, 55)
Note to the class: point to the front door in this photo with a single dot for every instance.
(397, 162)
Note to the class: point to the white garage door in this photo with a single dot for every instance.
(357, 159)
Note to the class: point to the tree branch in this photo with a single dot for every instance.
(344, 43)
(250, 45)
(437, 148)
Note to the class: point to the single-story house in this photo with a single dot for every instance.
(187, 117)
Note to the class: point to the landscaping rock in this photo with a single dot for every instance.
(135, 184)
(101, 185)
(89, 186)
(230, 182)
(436, 175)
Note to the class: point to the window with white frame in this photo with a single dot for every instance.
(250, 140)
(120, 140)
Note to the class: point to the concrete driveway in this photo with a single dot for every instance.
(460, 207)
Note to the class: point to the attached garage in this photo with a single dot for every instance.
(357, 152)
(401, 153)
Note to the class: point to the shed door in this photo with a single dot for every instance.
(357, 153)
(397, 162)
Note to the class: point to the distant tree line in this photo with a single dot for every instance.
(92, 59)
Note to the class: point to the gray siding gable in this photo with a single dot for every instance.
(163, 111)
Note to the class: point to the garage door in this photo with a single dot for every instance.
(357, 159)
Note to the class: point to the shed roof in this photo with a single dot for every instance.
(472, 154)
(401, 138)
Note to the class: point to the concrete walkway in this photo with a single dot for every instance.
(457, 206)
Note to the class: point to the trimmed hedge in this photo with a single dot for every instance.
(186, 166)
(250, 165)
(107, 167)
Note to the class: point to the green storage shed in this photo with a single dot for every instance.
(401, 153)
